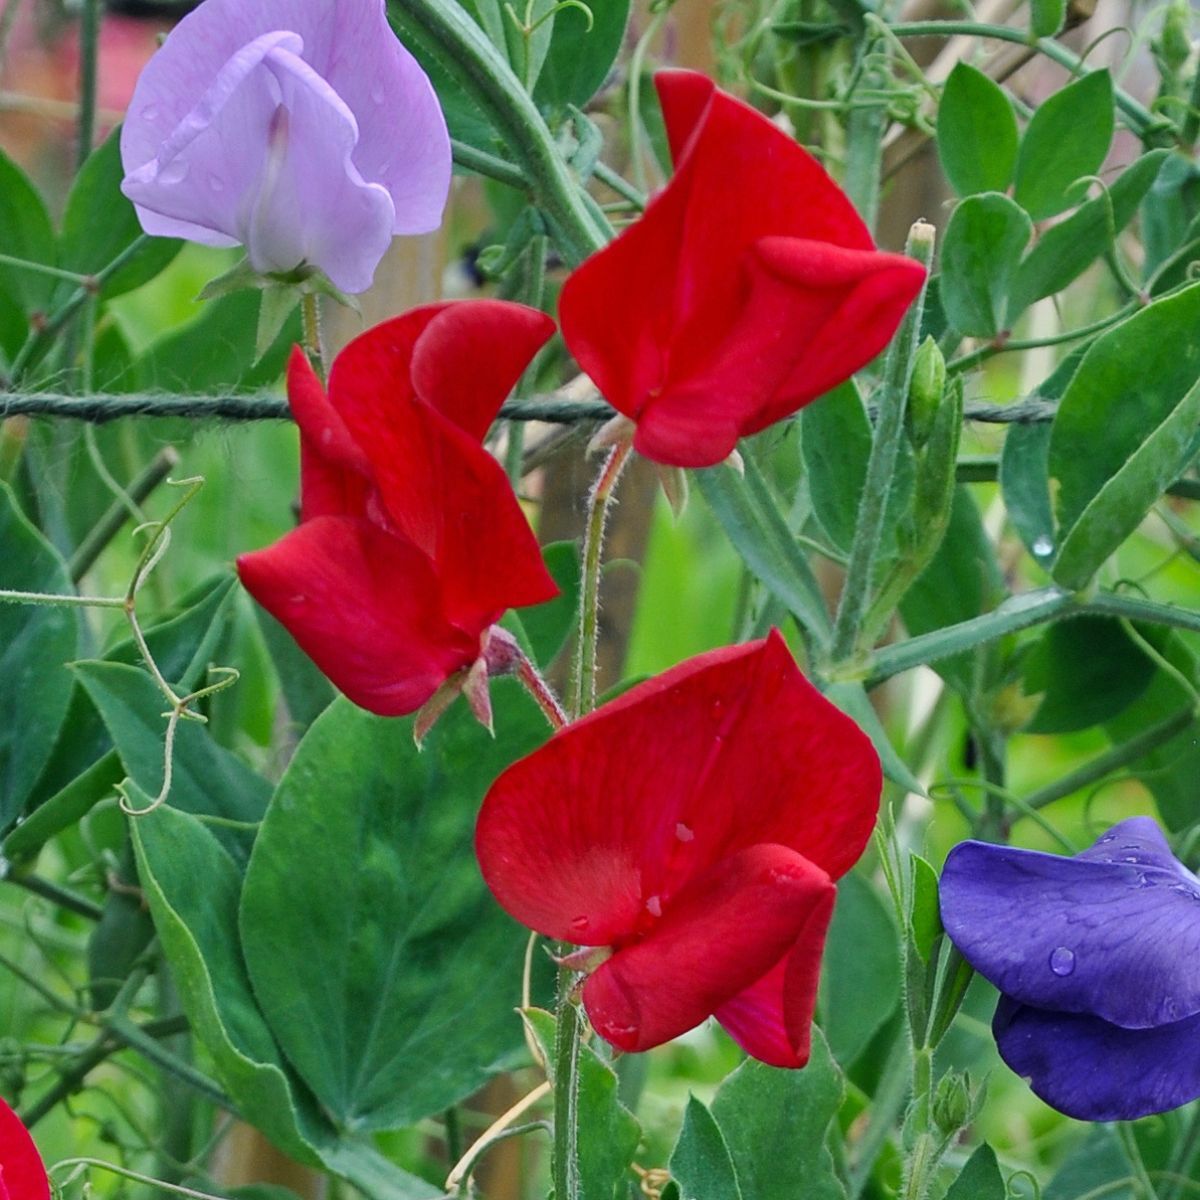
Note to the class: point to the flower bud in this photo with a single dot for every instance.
(1174, 43)
(925, 391)
(952, 1102)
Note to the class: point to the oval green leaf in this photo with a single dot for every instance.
(976, 133)
(981, 252)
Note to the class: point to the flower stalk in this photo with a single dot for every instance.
(583, 698)
(889, 430)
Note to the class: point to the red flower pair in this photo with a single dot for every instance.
(705, 861)
(22, 1175)
(411, 543)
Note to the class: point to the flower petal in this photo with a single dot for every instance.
(471, 356)
(365, 606)
(335, 477)
(719, 935)
(772, 1019)
(733, 748)
(1094, 1071)
(22, 1174)
(714, 342)
(1114, 932)
(403, 141)
(440, 487)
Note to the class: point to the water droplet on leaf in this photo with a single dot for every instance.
(1062, 961)
(1042, 547)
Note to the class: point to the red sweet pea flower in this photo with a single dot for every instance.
(22, 1175)
(695, 825)
(411, 543)
(749, 287)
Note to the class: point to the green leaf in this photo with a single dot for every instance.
(981, 252)
(100, 223)
(25, 232)
(1096, 1164)
(961, 582)
(362, 971)
(1067, 139)
(1123, 430)
(1086, 670)
(1168, 773)
(700, 1162)
(217, 350)
(976, 133)
(206, 780)
(1046, 17)
(924, 917)
(759, 532)
(608, 1132)
(119, 938)
(852, 699)
(1064, 251)
(860, 975)
(775, 1123)
(579, 59)
(980, 1179)
(306, 691)
(1025, 485)
(548, 625)
(198, 930)
(35, 643)
(835, 444)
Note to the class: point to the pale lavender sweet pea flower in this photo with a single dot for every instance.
(301, 129)
(1097, 958)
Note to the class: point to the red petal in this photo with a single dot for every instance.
(334, 474)
(365, 606)
(772, 1019)
(700, 335)
(731, 749)
(720, 934)
(471, 355)
(449, 496)
(813, 315)
(22, 1175)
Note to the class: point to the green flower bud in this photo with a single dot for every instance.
(952, 1102)
(1175, 43)
(925, 391)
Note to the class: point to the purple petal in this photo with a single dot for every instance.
(1114, 932)
(1094, 1071)
(265, 158)
(401, 144)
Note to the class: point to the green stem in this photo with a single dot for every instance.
(64, 897)
(489, 165)
(1139, 118)
(310, 316)
(864, 151)
(1112, 760)
(619, 184)
(24, 264)
(975, 357)
(567, 1043)
(39, 339)
(583, 698)
(1184, 1152)
(71, 1079)
(889, 430)
(53, 600)
(491, 82)
(1190, 128)
(89, 53)
(886, 1107)
(1017, 613)
(1133, 1156)
(115, 517)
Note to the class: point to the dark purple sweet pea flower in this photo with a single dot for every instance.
(1097, 958)
(301, 129)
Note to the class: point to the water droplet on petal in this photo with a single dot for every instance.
(1042, 547)
(216, 183)
(378, 93)
(579, 924)
(1062, 961)
(717, 708)
(174, 172)
(299, 599)
(150, 112)
(654, 906)
(683, 833)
